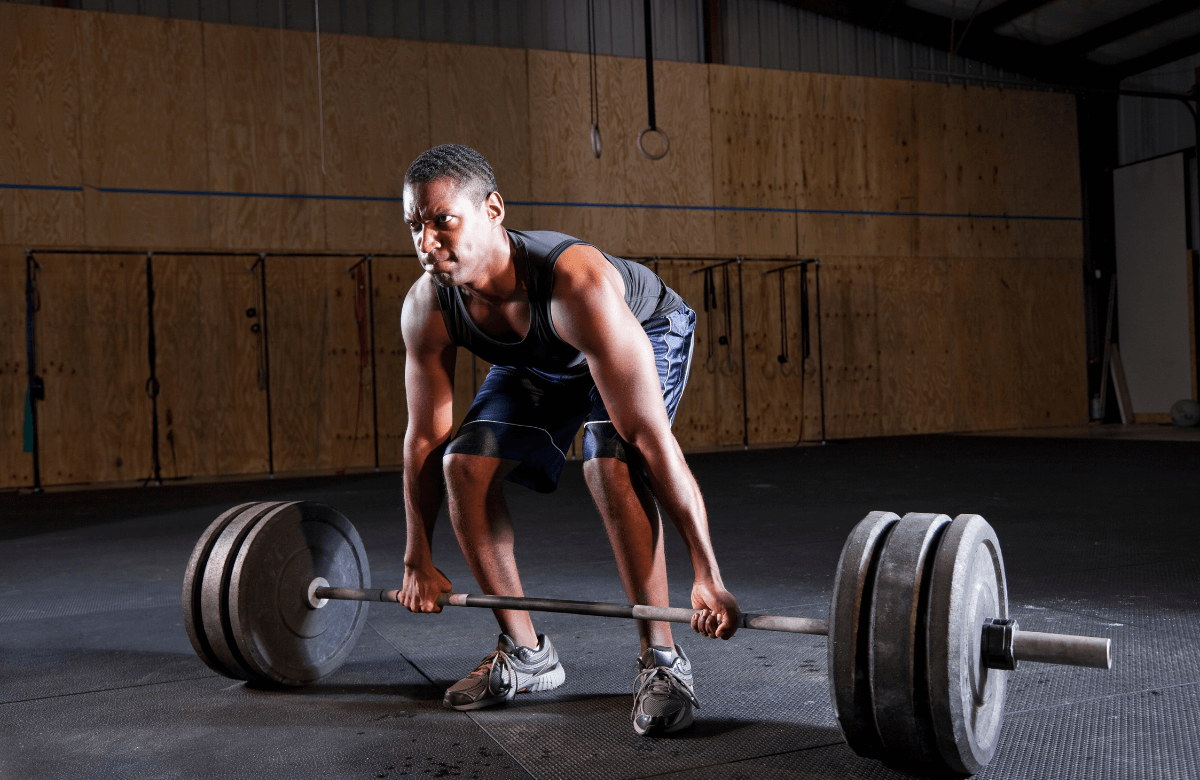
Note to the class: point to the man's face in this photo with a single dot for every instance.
(450, 230)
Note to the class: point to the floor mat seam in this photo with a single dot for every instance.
(1160, 688)
(107, 690)
(478, 725)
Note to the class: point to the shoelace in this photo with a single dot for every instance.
(662, 681)
(508, 673)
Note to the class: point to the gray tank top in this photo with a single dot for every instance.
(645, 294)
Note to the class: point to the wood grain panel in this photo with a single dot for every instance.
(39, 126)
(851, 325)
(320, 364)
(376, 122)
(490, 115)
(914, 346)
(1042, 155)
(143, 128)
(565, 169)
(857, 153)
(16, 466)
(1001, 152)
(754, 139)
(263, 137)
(94, 425)
(710, 412)
(212, 407)
(774, 400)
(983, 310)
(1053, 365)
(393, 277)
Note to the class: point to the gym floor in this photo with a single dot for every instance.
(97, 678)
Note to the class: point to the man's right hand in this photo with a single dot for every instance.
(422, 584)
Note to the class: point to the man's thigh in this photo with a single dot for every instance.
(521, 416)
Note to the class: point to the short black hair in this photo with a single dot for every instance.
(467, 167)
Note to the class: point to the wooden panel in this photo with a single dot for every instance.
(497, 124)
(857, 152)
(852, 344)
(320, 364)
(985, 353)
(16, 466)
(565, 170)
(263, 137)
(143, 132)
(710, 413)
(754, 138)
(393, 277)
(94, 425)
(376, 122)
(39, 126)
(212, 407)
(774, 400)
(1000, 152)
(1053, 363)
(914, 346)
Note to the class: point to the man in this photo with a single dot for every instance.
(575, 337)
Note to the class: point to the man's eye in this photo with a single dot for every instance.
(443, 219)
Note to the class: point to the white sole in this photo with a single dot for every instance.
(546, 681)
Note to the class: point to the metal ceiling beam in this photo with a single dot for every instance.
(1175, 51)
(1006, 12)
(1029, 59)
(1125, 26)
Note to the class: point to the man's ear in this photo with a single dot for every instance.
(495, 208)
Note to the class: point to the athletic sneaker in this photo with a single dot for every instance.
(663, 696)
(508, 670)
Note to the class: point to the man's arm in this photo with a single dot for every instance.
(590, 313)
(428, 383)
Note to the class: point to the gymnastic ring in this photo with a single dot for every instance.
(710, 365)
(596, 140)
(666, 141)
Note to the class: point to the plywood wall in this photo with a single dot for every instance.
(212, 403)
(946, 219)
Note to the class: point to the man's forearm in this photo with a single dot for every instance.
(677, 491)
(423, 489)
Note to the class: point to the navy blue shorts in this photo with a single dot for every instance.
(532, 417)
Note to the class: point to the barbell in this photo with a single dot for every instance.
(920, 641)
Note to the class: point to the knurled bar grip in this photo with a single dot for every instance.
(1030, 646)
(1062, 649)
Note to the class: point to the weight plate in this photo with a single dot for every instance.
(277, 632)
(849, 632)
(214, 590)
(897, 646)
(193, 577)
(966, 698)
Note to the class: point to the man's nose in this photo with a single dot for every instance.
(429, 240)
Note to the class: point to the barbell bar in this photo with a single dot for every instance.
(1029, 646)
(920, 642)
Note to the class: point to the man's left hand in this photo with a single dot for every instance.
(718, 610)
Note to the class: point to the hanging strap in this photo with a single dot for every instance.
(653, 128)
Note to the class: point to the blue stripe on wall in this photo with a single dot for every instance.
(558, 204)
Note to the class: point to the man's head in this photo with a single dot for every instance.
(468, 169)
(454, 212)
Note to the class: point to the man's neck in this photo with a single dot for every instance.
(504, 281)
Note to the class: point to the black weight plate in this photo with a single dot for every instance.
(966, 698)
(193, 577)
(279, 634)
(899, 690)
(214, 591)
(849, 632)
